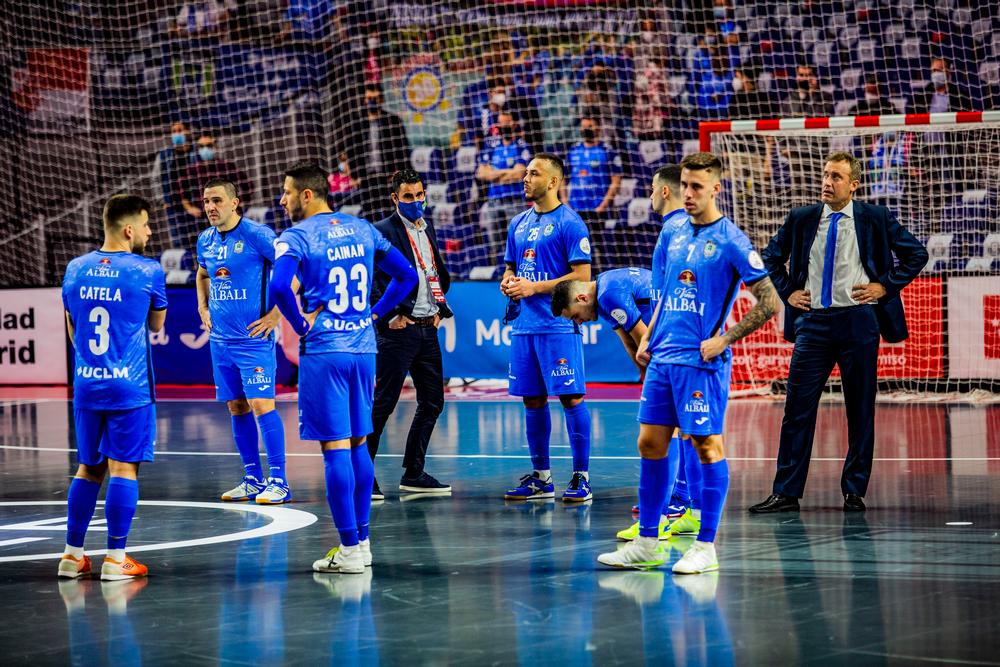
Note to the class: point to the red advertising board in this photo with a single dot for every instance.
(764, 355)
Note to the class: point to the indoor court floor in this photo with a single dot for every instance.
(467, 579)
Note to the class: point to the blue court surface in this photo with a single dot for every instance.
(468, 579)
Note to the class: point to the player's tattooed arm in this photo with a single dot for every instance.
(756, 317)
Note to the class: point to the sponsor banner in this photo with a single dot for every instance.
(181, 351)
(764, 355)
(475, 344)
(32, 337)
(974, 327)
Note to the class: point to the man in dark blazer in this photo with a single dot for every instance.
(841, 289)
(407, 336)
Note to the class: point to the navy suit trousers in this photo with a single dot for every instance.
(849, 338)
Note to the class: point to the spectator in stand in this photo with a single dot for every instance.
(593, 175)
(340, 182)
(493, 60)
(502, 165)
(874, 103)
(942, 94)
(169, 167)
(309, 20)
(596, 99)
(505, 97)
(208, 18)
(808, 99)
(207, 167)
(748, 101)
(376, 148)
(715, 89)
(650, 102)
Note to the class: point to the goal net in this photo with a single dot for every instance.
(937, 173)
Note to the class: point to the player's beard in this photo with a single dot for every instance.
(534, 194)
(295, 210)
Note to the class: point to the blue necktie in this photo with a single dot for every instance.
(829, 259)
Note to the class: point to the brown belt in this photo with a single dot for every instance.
(423, 321)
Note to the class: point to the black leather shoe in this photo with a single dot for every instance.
(853, 503)
(776, 503)
(376, 491)
(422, 483)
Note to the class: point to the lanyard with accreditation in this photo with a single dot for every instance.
(432, 276)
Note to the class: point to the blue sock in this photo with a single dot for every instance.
(119, 508)
(673, 465)
(692, 468)
(245, 435)
(578, 427)
(273, 433)
(538, 428)
(652, 491)
(713, 497)
(81, 500)
(340, 493)
(681, 485)
(364, 476)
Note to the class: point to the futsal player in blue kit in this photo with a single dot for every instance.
(689, 363)
(113, 298)
(546, 244)
(334, 255)
(235, 256)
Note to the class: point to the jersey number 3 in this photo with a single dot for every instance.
(342, 299)
(102, 321)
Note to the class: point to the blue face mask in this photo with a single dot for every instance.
(206, 153)
(412, 211)
(178, 139)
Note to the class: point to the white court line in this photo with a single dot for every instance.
(515, 456)
(283, 520)
(21, 540)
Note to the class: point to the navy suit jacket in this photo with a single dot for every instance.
(394, 230)
(890, 255)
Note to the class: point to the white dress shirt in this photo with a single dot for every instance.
(425, 305)
(847, 268)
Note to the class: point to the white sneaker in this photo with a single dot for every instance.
(699, 558)
(639, 554)
(342, 560)
(276, 493)
(247, 489)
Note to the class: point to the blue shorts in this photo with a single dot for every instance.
(336, 392)
(123, 435)
(546, 365)
(692, 399)
(243, 369)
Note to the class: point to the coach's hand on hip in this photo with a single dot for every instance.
(799, 299)
(868, 293)
(400, 322)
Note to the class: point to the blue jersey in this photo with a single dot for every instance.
(543, 247)
(701, 276)
(671, 221)
(108, 296)
(623, 297)
(500, 156)
(589, 170)
(336, 254)
(238, 263)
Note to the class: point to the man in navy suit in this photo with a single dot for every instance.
(847, 264)
(407, 335)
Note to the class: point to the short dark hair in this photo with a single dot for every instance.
(855, 163)
(119, 207)
(671, 175)
(405, 176)
(561, 297)
(309, 176)
(228, 185)
(591, 113)
(703, 162)
(554, 160)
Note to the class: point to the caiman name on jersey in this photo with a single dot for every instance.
(100, 293)
(345, 252)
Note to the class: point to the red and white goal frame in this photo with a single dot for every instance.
(939, 173)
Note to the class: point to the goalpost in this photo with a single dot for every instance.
(939, 174)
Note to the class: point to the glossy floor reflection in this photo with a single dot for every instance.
(469, 580)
